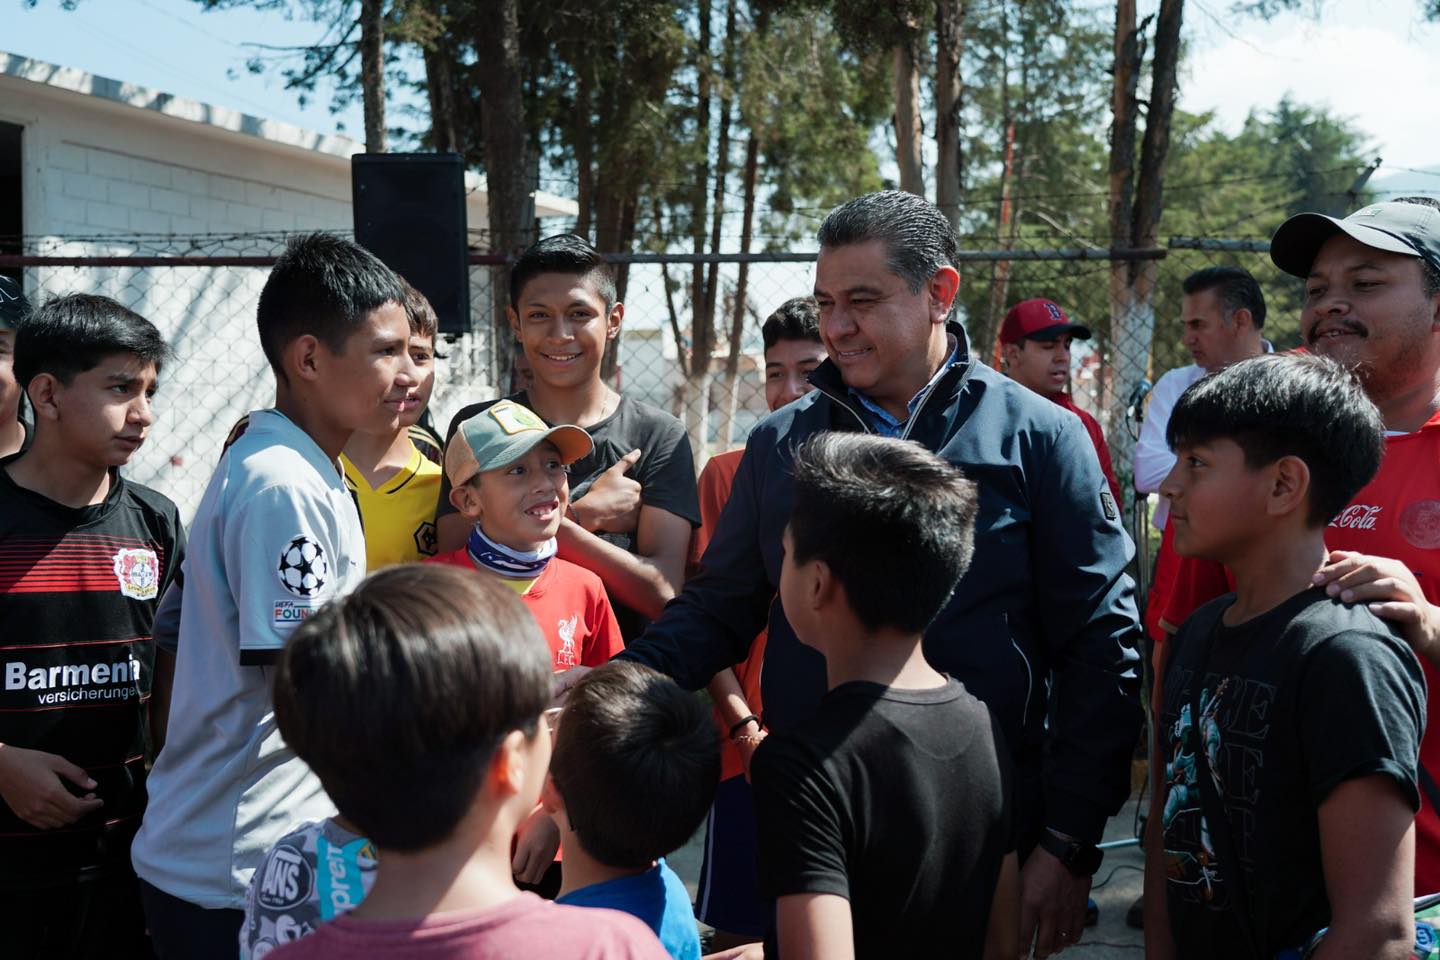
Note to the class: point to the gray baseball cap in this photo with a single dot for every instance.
(1411, 229)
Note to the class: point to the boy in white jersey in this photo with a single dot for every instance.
(275, 537)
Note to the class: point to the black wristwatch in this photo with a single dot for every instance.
(1081, 859)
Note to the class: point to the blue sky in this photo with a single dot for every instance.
(1235, 63)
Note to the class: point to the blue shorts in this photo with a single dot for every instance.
(727, 898)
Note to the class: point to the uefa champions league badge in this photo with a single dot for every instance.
(138, 572)
(303, 568)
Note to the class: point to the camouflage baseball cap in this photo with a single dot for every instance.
(503, 433)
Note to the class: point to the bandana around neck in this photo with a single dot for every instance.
(507, 562)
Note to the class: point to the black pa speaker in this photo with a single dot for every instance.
(410, 212)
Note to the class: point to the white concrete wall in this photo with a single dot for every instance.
(99, 176)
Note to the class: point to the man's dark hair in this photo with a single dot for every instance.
(398, 695)
(795, 319)
(423, 321)
(917, 237)
(636, 761)
(1430, 282)
(1288, 405)
(1235, 289)
(563, 253)
(70, 334)
(322, 285)
(894, 523)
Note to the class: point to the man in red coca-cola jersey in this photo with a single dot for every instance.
(1372, 301)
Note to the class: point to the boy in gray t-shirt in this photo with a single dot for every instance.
(276, 536)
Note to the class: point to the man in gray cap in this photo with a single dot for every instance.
(1372, 302)
(13, 309)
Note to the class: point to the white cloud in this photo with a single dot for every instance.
(1374, 66)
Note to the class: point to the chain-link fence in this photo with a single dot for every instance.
(201, 292)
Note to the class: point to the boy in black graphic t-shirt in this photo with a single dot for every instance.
(885, 818)
(84, 556)
(1289, 723)
(633, 503)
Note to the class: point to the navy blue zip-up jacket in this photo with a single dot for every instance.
(1041, 627)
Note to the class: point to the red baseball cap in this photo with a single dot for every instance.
(1039, 319)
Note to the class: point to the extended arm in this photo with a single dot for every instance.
(645, 580)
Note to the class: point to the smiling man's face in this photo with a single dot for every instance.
(1367, 309)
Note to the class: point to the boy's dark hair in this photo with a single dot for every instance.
(563, 253)
(423, 321)
(398, 694)
(73, 333)
(1234, 288)
(636, 761)
(322, 285)
(1291, 404)
(796, 319)
(894, 523)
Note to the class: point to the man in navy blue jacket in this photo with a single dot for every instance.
(1042, 627)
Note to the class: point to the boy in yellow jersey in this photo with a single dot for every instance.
(395, 484)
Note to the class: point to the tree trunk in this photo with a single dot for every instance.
(908, 128)
(584, 153)
(986, 345)
(949, 37)
(1136, 203)
(742, 297)
(439, 87)
(506, 150)
(372, 72)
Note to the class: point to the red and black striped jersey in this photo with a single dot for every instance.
(78, 592)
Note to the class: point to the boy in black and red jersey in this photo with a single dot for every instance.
(84, 555)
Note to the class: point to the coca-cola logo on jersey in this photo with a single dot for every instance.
(1357, 516)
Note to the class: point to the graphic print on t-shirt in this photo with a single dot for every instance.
(1195, 871)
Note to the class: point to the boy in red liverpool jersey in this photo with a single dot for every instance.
(1372, 301)
(84, 557)
(508, 477)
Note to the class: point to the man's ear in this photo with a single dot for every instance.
(1290, 487)
(1243, 316)
(513, 319)
(302, 357)
(943, 287)
(1010, 354)
(613, 320)
(44, 392)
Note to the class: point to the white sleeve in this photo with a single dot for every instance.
(1153, 457)
(279, 556)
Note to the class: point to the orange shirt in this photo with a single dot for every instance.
(570, 604)
(1397, 515)
(714, 489)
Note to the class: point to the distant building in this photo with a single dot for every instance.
(95, 167)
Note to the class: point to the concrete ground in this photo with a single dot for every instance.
(1117, 885)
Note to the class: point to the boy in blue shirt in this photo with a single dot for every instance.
(632, 776)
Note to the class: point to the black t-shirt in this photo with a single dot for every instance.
(1293, 703)
(897, 800)
(665, 471)
(78, 592)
